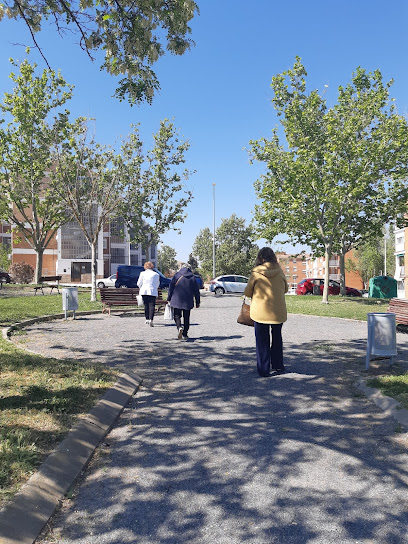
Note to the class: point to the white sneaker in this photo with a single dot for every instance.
(151, 324)
(180, 333)
(147, 322)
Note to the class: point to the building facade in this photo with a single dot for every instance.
(69, 254)
(401, 246)
(300, 267)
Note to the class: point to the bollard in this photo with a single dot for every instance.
(382, 336)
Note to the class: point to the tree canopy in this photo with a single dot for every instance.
(133, 34)
(235, 250)
(36, 121)
(166, 258)
(343, 170)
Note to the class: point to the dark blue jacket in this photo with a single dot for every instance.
(183, 290)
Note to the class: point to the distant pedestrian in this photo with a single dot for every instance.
(148, 284)
(267, 286)
(183, 290)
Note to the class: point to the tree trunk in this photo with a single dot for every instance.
(93, 271)
(343, 273)
(39, 265)
(327, 255)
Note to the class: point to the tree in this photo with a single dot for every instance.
(90, 180)
(235, 248)
(192, 262)
(132, 34)
(4, 257)
(158, 197)
(167, 259)
(203, 252)
(96, 185)
(36, 124)
(368, 259)
(343, 172)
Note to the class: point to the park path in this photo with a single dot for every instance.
(207, 452)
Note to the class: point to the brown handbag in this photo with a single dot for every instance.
(244, 318)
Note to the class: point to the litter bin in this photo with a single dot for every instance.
(382, 287)
(70, 299)
(382, 336)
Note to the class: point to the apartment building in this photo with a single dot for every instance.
(69, 254)
(295, 267)
(299, 267)
(401, 246)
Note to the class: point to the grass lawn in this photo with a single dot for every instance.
(345, 307)
(392, 386)
(40, 398)
(14, 309)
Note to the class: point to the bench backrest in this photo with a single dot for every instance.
(122, 293)
(50, 278)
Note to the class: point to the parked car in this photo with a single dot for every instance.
(228, 284)
(127, 276)
(4, 277)
(199, 280)
(107, 282)
(305, 287)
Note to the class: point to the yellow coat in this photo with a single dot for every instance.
(267, 286)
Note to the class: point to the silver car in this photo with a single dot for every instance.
(228, 284)
(107, 282)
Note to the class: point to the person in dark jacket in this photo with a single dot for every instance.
(183, 290)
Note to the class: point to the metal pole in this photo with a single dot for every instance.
(213, 230)
(385, 254)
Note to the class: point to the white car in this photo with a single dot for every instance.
(107, 282)
(228, 284)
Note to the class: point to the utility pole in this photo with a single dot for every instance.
(213, 230)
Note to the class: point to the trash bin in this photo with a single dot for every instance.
(382, 287)
(382, 336)
(70, 299)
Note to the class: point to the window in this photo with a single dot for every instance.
(134, 260)
(227, 278)
(117, 255)
(153, 251)
(105, 243)
(116, 229)
(73, 242)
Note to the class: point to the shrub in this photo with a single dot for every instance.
(21, 272)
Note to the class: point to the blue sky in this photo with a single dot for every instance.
(219, 93)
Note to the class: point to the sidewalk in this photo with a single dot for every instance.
(207, 452)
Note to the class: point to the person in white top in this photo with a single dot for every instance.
(148, 284)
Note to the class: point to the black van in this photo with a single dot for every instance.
(127, 276)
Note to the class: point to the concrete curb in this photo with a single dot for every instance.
(390, 406)
(23, 519)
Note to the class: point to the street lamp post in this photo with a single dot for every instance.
(213, 230)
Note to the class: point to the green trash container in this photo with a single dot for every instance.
(382, 287)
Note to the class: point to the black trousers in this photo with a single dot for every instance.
(268, 354)
(149, 302)
(177, 313)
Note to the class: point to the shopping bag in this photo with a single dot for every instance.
(168, 312)
(139, 299)
(244, 318)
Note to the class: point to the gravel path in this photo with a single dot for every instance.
(209, 453)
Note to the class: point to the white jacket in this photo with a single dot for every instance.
(148, 282)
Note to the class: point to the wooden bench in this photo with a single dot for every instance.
(126, 296)
(47, 279)
(399, 307)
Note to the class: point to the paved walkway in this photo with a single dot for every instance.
(209, 453)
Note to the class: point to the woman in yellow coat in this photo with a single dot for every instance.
(267, 286)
